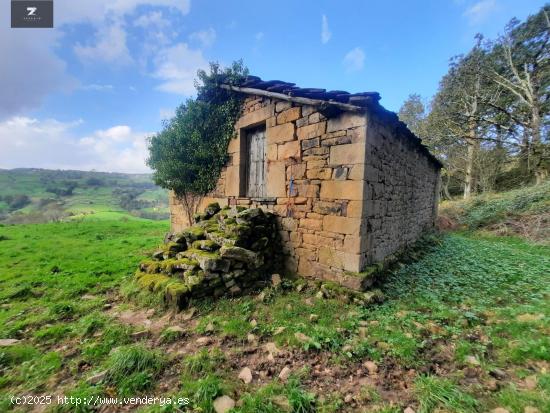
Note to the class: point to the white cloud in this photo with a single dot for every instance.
(177, 67)
(95, 11)
(49, 143)
(110, 47)
(205, 38)
(96, 87)
(166, 113)
(152, 19)
(259, 36)
(354, 60)
(29, 70)
(479, 11)
(325, 32)
(33, 70)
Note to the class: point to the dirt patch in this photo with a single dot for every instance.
(445, 223)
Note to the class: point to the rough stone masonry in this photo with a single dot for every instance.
(349, 184)
(226, 252)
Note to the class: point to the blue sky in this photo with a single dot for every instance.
(86, 94)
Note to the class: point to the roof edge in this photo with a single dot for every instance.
(368, 102)
(297, 99)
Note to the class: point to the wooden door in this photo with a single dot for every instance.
(256, 164)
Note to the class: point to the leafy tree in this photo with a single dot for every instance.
(187, 156)
(17, 201)
(66, 188)
(95, 182)
(413, 113)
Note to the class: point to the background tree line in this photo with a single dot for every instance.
(490, 118)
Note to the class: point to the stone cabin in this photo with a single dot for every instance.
(350, 184)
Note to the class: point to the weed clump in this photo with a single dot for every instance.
(434, 392)
(132, 368)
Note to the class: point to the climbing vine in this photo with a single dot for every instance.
(187, 156)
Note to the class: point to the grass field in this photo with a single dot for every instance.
(463, 329)
(41, 195)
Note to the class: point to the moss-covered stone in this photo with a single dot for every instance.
(209, 261)
(210, 225)
(152, 282)
(193, 278)
(212, 209)
(184, 264)
(179, 239)
(238, 231)
(193, 234)
(206, 245)
(199, 216)
(150, 266)
(194, 266)
(176, 294)
(250, 258)
(171, 249)
(250, 215)
(220, 238)
(195, 253)
(158, 254)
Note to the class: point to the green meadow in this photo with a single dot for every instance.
(29, 196)
(463, 327)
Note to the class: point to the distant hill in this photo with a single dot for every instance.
(42, 195)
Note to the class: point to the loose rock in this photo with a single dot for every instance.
(203, 341)
(223, 404)
(275, 280)
(7, 342)
(371, 367)
(302, 338)
(97, 378)
(284, 374)
(271, 348)
(245, 375)
(472, 360)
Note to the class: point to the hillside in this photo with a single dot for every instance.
(40, 195)
(521, 212)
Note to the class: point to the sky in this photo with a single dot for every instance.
(86, 94)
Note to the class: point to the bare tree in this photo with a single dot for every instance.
(522, 69)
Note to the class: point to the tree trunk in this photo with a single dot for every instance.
(190, 203)
(470, 179)
(445, 188)
(537, 148)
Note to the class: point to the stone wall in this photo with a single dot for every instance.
(324, 218)
(226, 252)
(401, 190)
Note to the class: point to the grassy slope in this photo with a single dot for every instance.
(524, 212)
(85, 199)
(470, 298)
